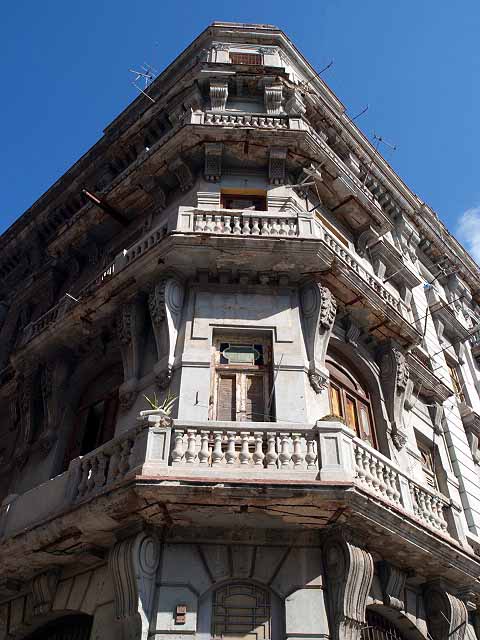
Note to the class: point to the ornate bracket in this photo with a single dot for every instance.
(394, 375)
(349, 573)
(392, 580)
(44, 588)
(218, 95)
(274, 99)
(213, 161)
(319, 308)
(182, 172)
(133, 564)
(446, 614)
(152, 186)
(166, 303)
(276, 165)
(130, 324)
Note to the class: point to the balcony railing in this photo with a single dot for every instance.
(246, 223)
(286, 453)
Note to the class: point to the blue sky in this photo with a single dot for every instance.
(415, 63)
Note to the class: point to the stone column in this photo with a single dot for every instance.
(349, 574)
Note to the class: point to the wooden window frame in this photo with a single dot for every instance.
(259, 201)
(428, 462)
(454, 372)
(240, 57)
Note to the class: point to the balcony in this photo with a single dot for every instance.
(325, 461)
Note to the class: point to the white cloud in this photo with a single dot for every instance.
(468, 231)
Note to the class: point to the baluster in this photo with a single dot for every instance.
(227, 224)
(237, 229)
(114, 462)
(387, 480)
(265, 227)
(258, 455)
(204, 454)
(297, 455)
(285, 455)
(247, 120)
(208, 223)
(310, 456)
(178, 451)
(191, 452)
(394, 484)
(292, 227)
(218, 224)
(84, 473)
(244, 452)
(283, 227)
(269, 122)
(274, 227)
(100, 479)
(366, 467)
(359, 464)
(246, 225)
(217, 453)
(199, 222)
(373, 472)
(230, 455)
(380, 475)
(93, 474)
(255, 227)
(272, 455)
(124, 465)
(261, 122)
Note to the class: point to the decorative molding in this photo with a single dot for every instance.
(394, 375)
(295, 105)
(277, 164)
(218, 95)
(166, 303)
(319, 308)
(44, 588)
(182, 172)
(392, 580)
(446, 614)
(133, 565)
(349, 575)
(213, 161)
(130, 325)
(273, 95)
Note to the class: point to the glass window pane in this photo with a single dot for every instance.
(335, 401)
(351, 412)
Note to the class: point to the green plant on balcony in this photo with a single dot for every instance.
(166, 405)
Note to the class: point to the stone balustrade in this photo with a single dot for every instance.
(258, 121)
(245, 223)
(326, 454)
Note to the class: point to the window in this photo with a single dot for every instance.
(456, 384)
(245, 58)
(241, 610)
(243, 201)
(96, 415)
(427, 460)
(242, 380)
(350, 401)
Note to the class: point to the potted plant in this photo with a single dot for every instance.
(163, 409)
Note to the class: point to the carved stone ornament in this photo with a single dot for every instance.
(349, 575)
(44, 588)
(166, 303)
(276, 165)
(213, 161)
(295, 105)
(394, 376)
(182, 172)
(130, 325)
(218, 95)
(274, 99)
(133, 565)
(392, 580)
(152, 186)
(319, 308)
(446, 614)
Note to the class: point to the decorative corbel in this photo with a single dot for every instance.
(165, 303)
(218, 95)
(152, 186)
(276, 165)
(26, 388)
(274, 98)
(392, 580)
(446, 614)
(319, 308)
(295, 105)
(213, 161)
(44, 588)
(182, 172)
(394, 375)
(352, 331)
(133, 564)
(130, 324)
(349, 575)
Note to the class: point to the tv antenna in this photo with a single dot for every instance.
(378, 139)
(145, 77)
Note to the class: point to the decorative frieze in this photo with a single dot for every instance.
(218, 95)
(273, 95)
(394, 375)
(276, 165)
(133, 565)
(446, 614)
(349, 574)
(213, 161)
(319, 308)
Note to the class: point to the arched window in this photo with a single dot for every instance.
(350, 400)
(241, 610)
(75, 627)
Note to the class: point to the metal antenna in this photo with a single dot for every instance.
(359, 114)
(378, 140)
(146, 76)
(317, 75)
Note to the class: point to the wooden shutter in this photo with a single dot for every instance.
(254, 398)
(226, 397)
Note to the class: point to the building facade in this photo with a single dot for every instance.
(233, 239)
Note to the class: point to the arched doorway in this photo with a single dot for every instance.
(75, 627)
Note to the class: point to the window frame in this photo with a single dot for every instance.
(259, 200)
(245, 58)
